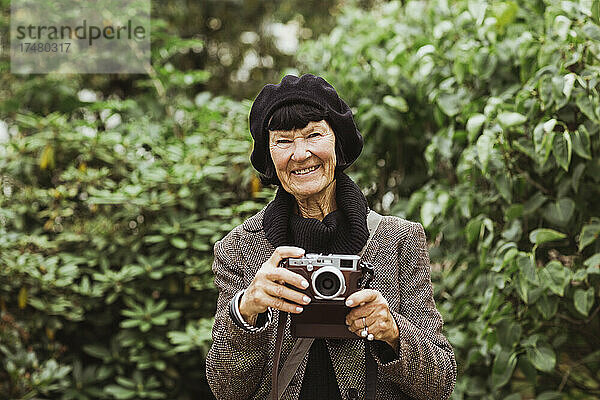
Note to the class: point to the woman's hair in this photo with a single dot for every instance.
(294, 116)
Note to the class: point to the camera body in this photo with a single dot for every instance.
(332, 278)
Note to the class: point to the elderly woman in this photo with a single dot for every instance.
(304, 137)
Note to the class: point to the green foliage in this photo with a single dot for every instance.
(481, 120)
(109, 210)
(502, 101)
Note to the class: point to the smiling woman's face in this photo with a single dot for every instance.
(304, 159)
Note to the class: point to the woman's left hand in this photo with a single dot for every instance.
(373, 307)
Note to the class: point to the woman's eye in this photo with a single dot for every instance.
(314, 134)
(283, 141)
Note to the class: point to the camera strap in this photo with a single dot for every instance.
(279, 382)
(373, 220)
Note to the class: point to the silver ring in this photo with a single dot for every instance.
(364, 322)
(370, 337)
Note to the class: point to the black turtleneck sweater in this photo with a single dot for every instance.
(343, 231)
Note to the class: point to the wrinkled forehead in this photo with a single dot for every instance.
(310, 127)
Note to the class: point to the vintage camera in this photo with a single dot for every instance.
(332, 278)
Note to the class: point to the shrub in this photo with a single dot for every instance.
(482, 119)
(109, 209)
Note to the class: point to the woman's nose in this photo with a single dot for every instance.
(300, 153)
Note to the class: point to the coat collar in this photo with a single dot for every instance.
(255, 222)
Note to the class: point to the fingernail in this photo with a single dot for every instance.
(299, 309)
(349, 302)
(304, 284)
(306, 299)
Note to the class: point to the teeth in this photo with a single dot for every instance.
(306, 170)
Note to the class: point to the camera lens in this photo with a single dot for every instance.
(328, 283)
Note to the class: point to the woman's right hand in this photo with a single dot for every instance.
(268, 287)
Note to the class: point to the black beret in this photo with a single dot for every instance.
(312, 90)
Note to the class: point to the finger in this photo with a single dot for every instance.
(282, 252)
(380, 329)
(280, 304)
(361, 311)
(283, 275)
(276, 290)
(359, 324)
(362, 296)
(358, 328)
(356, 331)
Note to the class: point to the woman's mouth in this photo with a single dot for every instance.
(306, 171)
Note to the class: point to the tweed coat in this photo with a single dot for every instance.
(239, 363)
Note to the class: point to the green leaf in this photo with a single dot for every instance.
(596, 11)
(562, 149)
(154, 239)
(127, 383)
(507, 13)
(477, 10)
(547, 305)
(589, 233)
(429, 210)
(593, 261)
(561, 26)
(485, 145)
(527, 268)
(584, 300)
(534, 202)
(503, 368)
(474, 125)
(580, 275)
(178, 242)
(549, 125)
(543, 140)
(577, 174)
(504, 185)
(556, 277)
(581, 142)
(550, 395)
(514, 396)
(119, 392)
(473, 230)
(542, 357)
(450, 103)
(544, 235)
(130, 323)
(586, 106)
(592, 31)
(560, 212)
(523, 289)
(508, 333)
(558, 84)
(569, 83)
(200, 245)
(396, 102)
(510, 119)
(97, 351)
